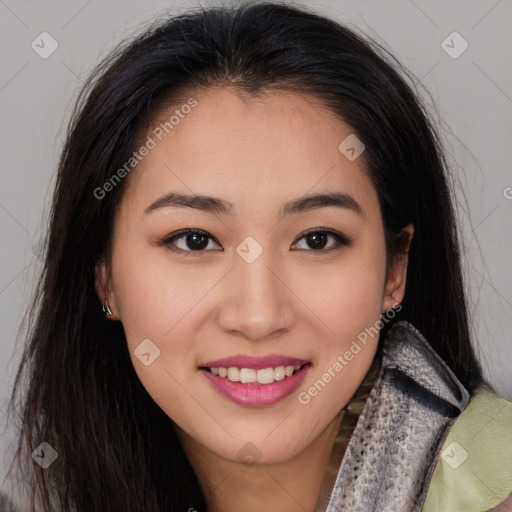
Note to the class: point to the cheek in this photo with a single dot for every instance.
(346, 351)
(157, 305)
(347, 294)
(153, 296)
(346, 300)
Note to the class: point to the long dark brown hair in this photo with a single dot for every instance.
(76, 385)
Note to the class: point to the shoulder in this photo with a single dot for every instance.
(474, 471)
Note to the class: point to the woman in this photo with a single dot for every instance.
(259, 205)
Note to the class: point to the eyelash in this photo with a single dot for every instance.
(341, 240)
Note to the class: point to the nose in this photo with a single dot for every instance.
(258, 303)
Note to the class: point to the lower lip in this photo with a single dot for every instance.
(257, 395)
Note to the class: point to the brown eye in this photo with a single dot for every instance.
(317, 240)
(193, 241)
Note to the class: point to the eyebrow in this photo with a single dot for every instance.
(217, 205)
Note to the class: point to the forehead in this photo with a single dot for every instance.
(278, 144)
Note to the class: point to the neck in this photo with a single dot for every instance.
(293, 485)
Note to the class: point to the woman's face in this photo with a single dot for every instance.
(251, 285)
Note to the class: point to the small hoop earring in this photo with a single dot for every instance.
(106, 310)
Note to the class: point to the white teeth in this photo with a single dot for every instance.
(260, 376)
(234, 374)
(265, 376)
(247, 375)
(288, 371)
(279, 373)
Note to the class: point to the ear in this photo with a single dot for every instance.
(103, 286)
(397, 272)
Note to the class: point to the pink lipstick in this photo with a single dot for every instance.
(256, 381)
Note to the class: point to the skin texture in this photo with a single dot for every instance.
(294, 299)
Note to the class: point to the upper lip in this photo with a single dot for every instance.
(255, 362)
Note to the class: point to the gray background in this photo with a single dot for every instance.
(471, 101)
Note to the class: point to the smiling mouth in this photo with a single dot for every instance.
(255, 375)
